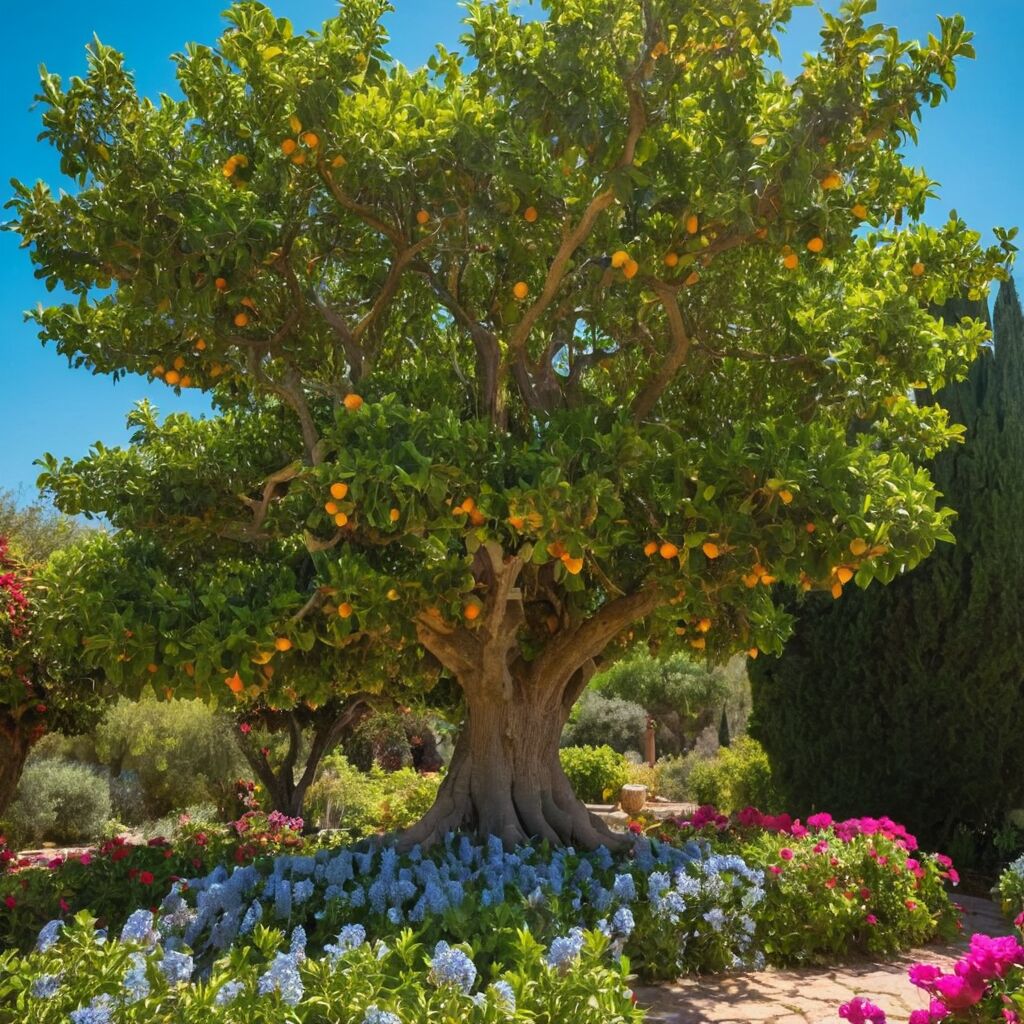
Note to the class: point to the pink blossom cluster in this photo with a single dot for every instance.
(751, 817)
(988, 960)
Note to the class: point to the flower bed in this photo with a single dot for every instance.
(986, 984)
(1009, 889)
(706, 894)
(834, 888)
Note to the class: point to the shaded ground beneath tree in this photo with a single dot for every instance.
(812, 995)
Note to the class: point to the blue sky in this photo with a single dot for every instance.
(972, 145)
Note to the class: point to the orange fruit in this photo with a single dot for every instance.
(294, 123)
(631, 269)
(710, 549)
(241, 319)
(671, 259)
(831, 181)
(392, 594)
(190, 669)
(220, 283)
(692, 224)
(179, 363)
(752, 652)
(530, 214)
(704, 625)
(172, 377)
(858, 546)
(815, 244)
(471, 611)
(692, 278)
(200, 345)
(338, 161)
(810, 527)
(331, 508)
(668, 550)
(699, 643)
(341, 519)
(860, 211)
(758, 140)
(345, 610)
(248, 303)
(186, 381)
(786, 497)
(229, 168)
(520, 290)
(352, 402)
(573, 566)
(837, 590)
(310, 139)
(234, 683)
(394, 515)
(917, 269)
(158, 370)
(619, 259)
(422, 217)
(790, 261)
(298, 159)
(844, 574)
(282, 643)
(516, 522)
(339, 490)
(468, 505)
(288, 146)
(151, 668)
(650, 548)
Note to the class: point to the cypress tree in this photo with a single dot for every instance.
(907, 700)
(724, 736)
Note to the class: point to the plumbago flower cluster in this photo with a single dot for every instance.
(79, 976)
(985, 985)
(833, 887)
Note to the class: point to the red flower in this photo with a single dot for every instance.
(10, 902)
(830, 883)
(64, 905)
(245, 728)
(146, 877)
(635, 827)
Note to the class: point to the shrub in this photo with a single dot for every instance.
(1010, 888)
(59, 801)
(181, 751)
(596, 773)
(737, 776)
(620, 724)
(674, 777)
(364, 803)
(641, 774)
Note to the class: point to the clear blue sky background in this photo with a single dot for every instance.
(972, 145)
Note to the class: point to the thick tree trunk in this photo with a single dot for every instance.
(505, 778)
(15, 744)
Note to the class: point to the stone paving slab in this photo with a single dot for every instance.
(811, 995)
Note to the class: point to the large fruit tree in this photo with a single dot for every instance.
(586, 334)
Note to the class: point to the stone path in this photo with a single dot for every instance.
(812, 995)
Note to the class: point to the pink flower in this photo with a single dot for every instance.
(1010, 1016)
(923, 975)
(775, 869)
(871, 919)
(959, 992)
(85, 858)
(245, 728)
(830, 883)
(910, 904)
(786, 853)
(865, 894)
(64, 905)
(860, 1011)
(943, 861)
(819, 820)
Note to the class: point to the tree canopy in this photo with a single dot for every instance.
(549, 345)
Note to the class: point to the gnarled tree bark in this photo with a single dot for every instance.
(505, 777)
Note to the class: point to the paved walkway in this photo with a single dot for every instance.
(812, 995)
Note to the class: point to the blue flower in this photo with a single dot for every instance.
(136, 984)
(450, 966)
(46, 985)
(139, 928)
(716, 918)
(351, 936)
(622, 922)
(176, 967)
(283, 977)
(565, 950)
(228, 993)
(252, 917)
(302, 890)
(504, 995)
(298, 943)
(97, 1012)
(375, 1016)
(48, 935)
(624, 888)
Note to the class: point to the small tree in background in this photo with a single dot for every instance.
(909, 700)
(515, 359)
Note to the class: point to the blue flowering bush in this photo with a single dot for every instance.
(80, 976)
(1009, 889)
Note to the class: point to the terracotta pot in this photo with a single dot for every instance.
(632, 798)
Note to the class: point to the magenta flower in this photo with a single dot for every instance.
(860, 1011)
(959, 992)
(923, 975)
(786, 853)
(871, 919)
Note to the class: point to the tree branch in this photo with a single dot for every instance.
(647, 398)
